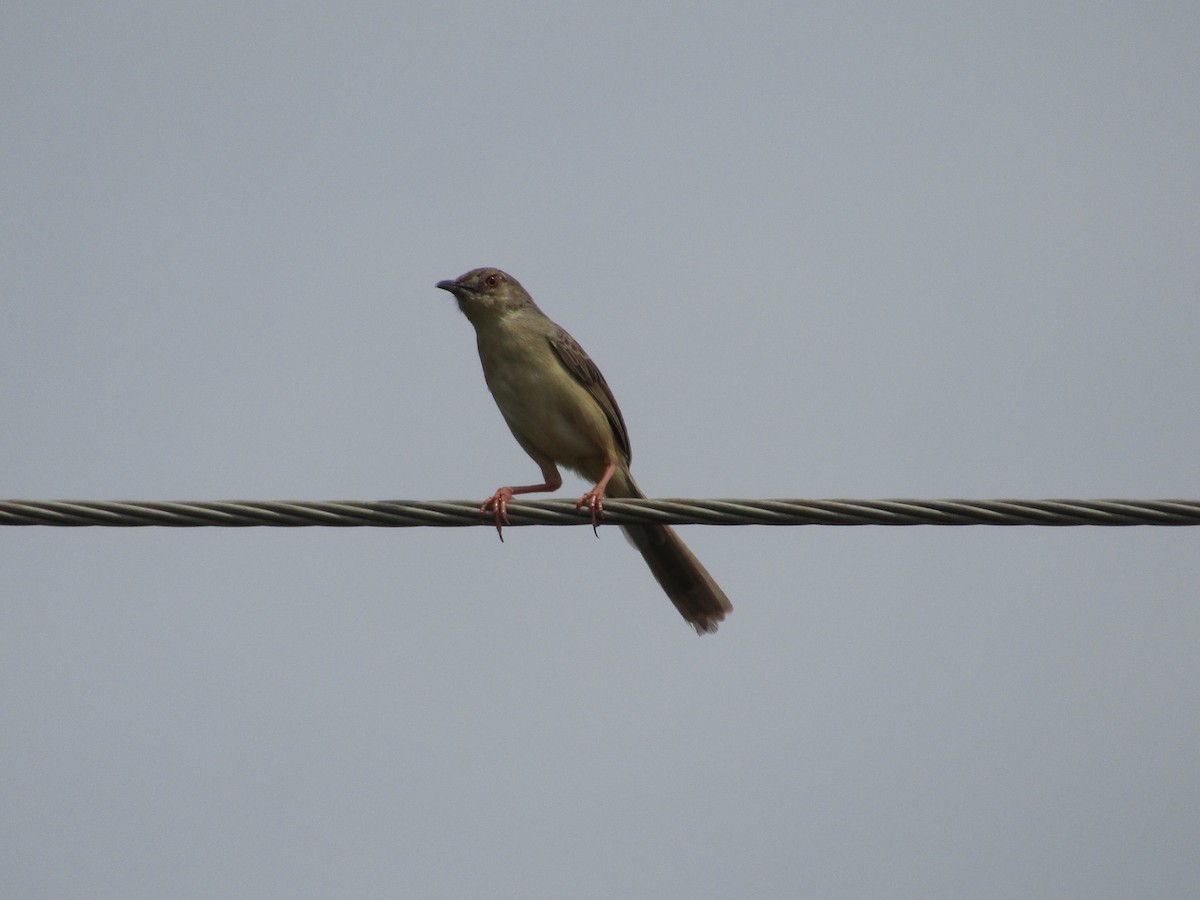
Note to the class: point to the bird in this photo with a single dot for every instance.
(562, 413)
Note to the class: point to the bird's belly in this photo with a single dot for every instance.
(552, 413)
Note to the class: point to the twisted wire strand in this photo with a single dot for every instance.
(456, 513)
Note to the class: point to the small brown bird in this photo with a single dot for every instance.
(561, 412)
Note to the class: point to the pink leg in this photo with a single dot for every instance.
(499, 500)
(594, 499)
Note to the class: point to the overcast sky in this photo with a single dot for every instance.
(827, 250)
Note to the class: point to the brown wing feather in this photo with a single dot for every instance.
(576, 361)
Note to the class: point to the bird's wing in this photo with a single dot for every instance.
(576, 361)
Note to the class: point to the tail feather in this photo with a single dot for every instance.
(686, 582)
(693, 591)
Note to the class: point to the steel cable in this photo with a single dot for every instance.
(455, 513)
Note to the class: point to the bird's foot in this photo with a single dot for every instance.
(499, 503)
(594, 501)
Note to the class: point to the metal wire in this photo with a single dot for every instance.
(455, 513)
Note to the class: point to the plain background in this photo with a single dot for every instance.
(828, 250)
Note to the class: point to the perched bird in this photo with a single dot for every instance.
(562, 413)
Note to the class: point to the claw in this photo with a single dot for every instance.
(498, 501)
(594, 500)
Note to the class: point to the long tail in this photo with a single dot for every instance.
(695, 594)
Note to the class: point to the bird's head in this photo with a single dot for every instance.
(486, 293)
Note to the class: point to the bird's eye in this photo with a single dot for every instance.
(492, 280)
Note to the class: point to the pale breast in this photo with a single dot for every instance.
(543, 403)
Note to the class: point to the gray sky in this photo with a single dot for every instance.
(849, 250)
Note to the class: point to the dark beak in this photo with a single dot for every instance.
(450, 286)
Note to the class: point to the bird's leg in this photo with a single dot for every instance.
(594, 499)
(499, 500)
